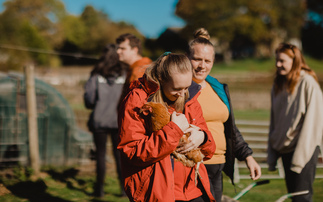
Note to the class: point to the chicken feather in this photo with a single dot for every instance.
(157, 116)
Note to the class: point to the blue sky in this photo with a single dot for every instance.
(150, 17)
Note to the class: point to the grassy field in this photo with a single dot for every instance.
(67, 184)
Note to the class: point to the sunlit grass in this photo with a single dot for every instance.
(257, 114)
(267, 192)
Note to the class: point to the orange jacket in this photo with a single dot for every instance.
(137, 69)
(146, 161)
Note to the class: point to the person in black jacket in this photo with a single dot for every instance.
(102, 94)
(218, 114)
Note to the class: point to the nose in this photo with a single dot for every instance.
(118, 50)
(181, 93)
(202, 64)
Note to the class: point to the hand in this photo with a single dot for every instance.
(180, 120)
(194, 140)
(254, 168)
(194, 126)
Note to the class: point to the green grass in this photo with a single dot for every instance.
(267, 192)
(57, 185)
(257, 114)
(260, 65)
(66, 184)
(247, 65)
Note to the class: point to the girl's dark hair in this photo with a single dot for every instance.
(109, 64)
(291, 79)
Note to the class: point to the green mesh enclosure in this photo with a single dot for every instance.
(60, 141)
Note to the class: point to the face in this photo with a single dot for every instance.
(126, 53)
(284, 63)
(202, 59)
(177, 85)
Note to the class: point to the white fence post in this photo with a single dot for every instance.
(32, 118)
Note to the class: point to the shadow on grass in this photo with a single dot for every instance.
(64, 175)
(69, 177)
(56, 185)
(33, 191)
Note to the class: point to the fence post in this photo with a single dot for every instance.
(32, 118)
(236, 174)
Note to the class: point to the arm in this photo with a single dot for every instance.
(90, 92)
(311, 132)
(254, 168)
(135, 145)
(244, 152)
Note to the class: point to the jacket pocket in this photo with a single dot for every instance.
(139, 183)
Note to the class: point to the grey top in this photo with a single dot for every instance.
(296, 122)
(102, 95)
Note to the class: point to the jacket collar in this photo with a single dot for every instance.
(219, 89)
(193, 90)
(148, 86)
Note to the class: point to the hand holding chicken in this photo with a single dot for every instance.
(157, 117)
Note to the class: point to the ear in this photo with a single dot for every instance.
(136, 49)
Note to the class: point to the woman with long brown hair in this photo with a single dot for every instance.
(102, 92)
(296, 120)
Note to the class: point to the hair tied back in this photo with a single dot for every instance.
(166, 53)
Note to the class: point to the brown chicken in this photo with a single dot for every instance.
(157, 116)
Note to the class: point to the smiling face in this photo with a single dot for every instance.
(177, 85)
(284, 63)
(202, 59)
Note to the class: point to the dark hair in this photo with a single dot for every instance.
(133, 41)
(299, 64)
(109, 64)
(201, 36)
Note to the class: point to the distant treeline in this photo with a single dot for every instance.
(43, 32)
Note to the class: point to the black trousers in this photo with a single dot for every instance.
(303, 181)
(100, 141)
(214, 172)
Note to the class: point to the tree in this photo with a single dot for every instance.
(31, 24)
(313, 29)
(259, 22)
(42, 14)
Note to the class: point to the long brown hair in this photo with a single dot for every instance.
(161, 70)
(291, 79)
(109, 64)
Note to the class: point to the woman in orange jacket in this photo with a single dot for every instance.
(149, 171)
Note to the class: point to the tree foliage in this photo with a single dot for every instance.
(45, 25)
(261, 22)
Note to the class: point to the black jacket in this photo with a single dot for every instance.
(236, 146)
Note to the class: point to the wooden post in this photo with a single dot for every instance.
(32, 118)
